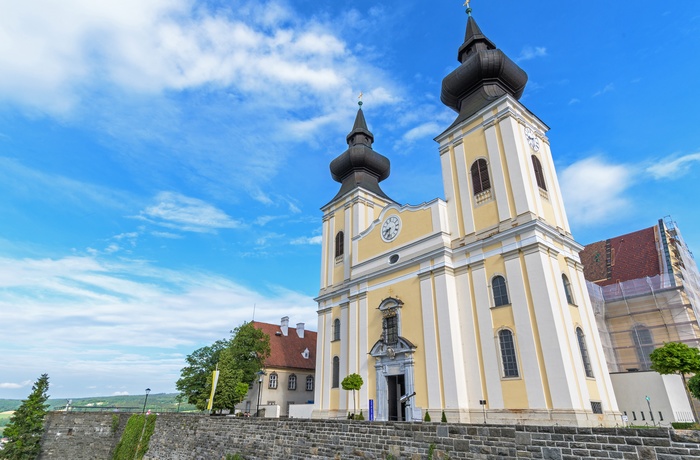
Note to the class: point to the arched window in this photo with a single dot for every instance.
(510, 363)
(336, 329)
(500, 294)
(273, 381)
(567, 290)
(339, 243)
(310, 383)
(644, 345)
(584, 352)
(292, 382)
(480, 176)
(336, 372)
(539, 174)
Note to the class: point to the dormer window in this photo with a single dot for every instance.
(305, 354)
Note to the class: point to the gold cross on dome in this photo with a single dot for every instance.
(359, 102)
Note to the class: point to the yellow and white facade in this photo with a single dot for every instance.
(476, 303)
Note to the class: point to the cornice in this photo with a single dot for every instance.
(513, 109)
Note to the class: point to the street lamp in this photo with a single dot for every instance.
(650, 411)
(148, 390)
(260, 374)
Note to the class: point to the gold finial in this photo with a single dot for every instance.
(359, 102)
(469, 8)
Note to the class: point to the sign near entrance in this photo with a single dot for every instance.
(371, 410)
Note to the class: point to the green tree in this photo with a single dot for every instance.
(249, 348)
(27, 424)
(195, 378)
(694, 385)
(230, 388)
(352, 382)
(677, 358)
(238, 359)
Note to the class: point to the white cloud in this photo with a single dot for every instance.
(668, 168)
(120, 393)
(531, 52)
(177, 211)
(20, 180)
(172, 236)
(14, 386)
(606, 89)
(308, 240)
(428, 129)
(594, 189)
(51, 54)
(105, 323)
(574, 101)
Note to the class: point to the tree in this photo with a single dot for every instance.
(230, 389)
(352, 382)
(27, 424)
(677, 358)
(238, 358)
(196, 377)
(694, 385)
(249, 349)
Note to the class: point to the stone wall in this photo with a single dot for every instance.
(185, 437)
(79, 435)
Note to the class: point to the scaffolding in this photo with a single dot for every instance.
(635, 317)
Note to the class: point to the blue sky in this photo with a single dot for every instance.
(162, 163)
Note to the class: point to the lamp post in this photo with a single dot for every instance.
(650, 411)
(148, 390)
(260, 374)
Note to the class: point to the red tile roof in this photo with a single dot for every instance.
(623, 258)
(287, 351)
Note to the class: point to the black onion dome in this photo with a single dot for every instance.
(485, 75)
(359, 165)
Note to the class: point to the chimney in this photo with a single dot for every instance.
(284, 325)
(300, 330)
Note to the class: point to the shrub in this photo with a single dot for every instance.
(444, 418)
(685, 425)
(115, 423)
(427, 417)
(431, 451)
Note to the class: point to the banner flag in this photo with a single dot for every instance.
(214, 380)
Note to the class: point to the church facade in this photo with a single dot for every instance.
(475, 305)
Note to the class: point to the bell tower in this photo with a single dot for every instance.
(358, 202)
(497, 166)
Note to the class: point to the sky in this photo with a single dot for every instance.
(162, 163)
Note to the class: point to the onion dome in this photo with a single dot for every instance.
(485, 75)
(359, 165)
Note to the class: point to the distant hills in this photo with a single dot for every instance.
(159, 402)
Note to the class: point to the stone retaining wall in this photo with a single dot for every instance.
(185, 437)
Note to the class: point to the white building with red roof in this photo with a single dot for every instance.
(289, 376)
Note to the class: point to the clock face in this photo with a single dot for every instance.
(532, 139)
(390, 228)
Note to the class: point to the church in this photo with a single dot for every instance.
(475, 305)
